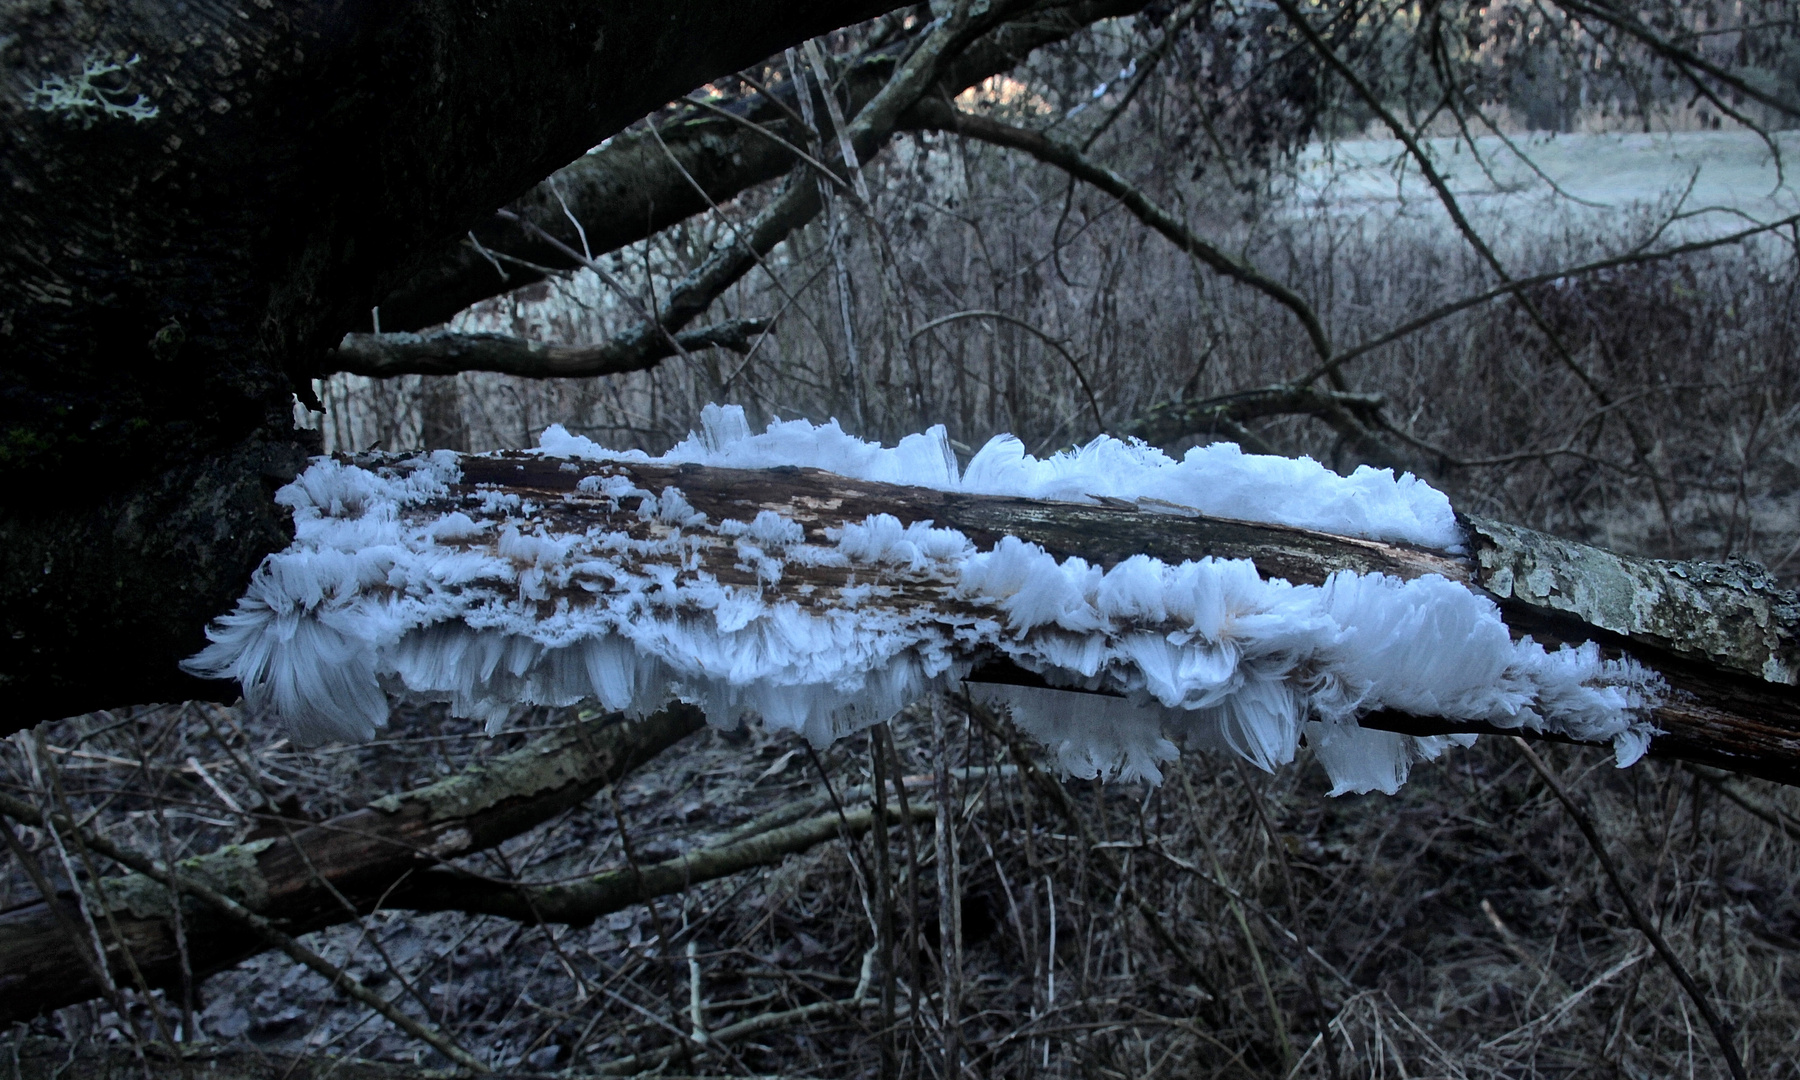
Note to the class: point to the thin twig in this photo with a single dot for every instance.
(936, 114)
(950, 950)
(1721, 1027)
(1514, 285)
(1093, 402)
(1685, 58)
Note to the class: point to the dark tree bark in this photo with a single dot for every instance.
(633, 187)
(171, 281)
(440, 353)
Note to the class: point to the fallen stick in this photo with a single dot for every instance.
(581, 902)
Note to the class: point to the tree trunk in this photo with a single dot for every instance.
(202, 199)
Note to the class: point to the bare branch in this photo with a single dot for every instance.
(798, 204)
(1640, 443)
(246, 919)
(1355, 417)
(1146, 66)
(1721, 1028)
(444, 352)
(939, 115)
(630, 189)
(1514, 285)
(1684, 58)
(581, 902)
(1014, 320)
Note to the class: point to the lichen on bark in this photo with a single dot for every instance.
(1731, 614)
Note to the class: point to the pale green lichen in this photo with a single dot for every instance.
(82, 98)
(1732, 614)
(231, 870)
(524, 773)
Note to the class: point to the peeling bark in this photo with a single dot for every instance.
(1729, 614)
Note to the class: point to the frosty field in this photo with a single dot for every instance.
(1734, 176)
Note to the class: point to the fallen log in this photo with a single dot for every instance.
(291, 877)
(394, 856)
(582, 901)
(1718, 639)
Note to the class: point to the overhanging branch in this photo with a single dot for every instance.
(1357, 418)
(645, 345)
(941, 115)
(631, 188)
(443, 352)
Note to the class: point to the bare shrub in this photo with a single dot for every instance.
(989, 295)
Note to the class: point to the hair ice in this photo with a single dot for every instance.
(404, 581)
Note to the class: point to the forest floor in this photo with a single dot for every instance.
(1225, 923)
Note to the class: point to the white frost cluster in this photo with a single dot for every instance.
(1216, 481)
(402, 581)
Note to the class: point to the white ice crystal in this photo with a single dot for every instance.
(406, 580)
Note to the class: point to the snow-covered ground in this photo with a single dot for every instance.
(1599, 176)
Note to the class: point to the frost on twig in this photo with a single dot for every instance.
(83, 98)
